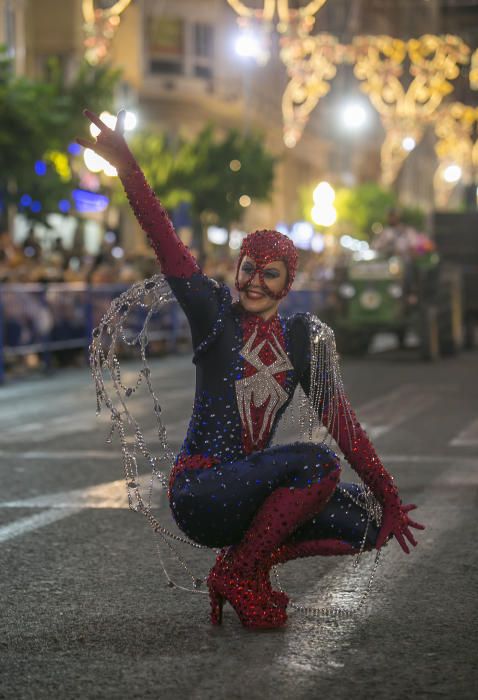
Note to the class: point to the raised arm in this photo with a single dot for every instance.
(337, 415)
(175, 259)
(199, 296)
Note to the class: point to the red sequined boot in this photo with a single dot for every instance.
(278, 597)
(312, 548)
(252, 603)
(242, 577)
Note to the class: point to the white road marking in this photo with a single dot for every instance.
(468, 436)
(61, 505)
(306, 636)
(381, 415)
(70, 454)
(111, 494)
(33, 522)
(81, 421)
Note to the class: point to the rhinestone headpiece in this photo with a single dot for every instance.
(263, 247)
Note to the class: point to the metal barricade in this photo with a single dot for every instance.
(59, 318)
(56, 319)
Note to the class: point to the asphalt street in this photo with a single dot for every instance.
(85, 608)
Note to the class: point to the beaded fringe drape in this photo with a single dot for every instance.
(307, 415)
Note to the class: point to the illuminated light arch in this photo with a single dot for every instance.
(455, 145)
(100, 26)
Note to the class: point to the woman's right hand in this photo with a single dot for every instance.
(109, 143)
(396, 522)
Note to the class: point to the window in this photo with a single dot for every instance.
(203, 40)
(204, 72)
(203, 50)
(165, 44)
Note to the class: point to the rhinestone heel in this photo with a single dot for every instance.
(250, 599)
(217, 601)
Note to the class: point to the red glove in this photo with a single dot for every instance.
(362, 457)
(174, 257)
(398, 524)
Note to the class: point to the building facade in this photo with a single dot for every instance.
(181, 71)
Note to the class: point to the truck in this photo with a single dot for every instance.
(424, 295)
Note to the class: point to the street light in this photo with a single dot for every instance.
(452, 173)
(323, 212)
(247, 45)
(408, 143)
(354, 116)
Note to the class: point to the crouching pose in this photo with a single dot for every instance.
(228, 487)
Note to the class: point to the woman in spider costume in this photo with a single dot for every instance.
(228, 488)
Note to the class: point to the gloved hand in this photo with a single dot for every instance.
(175, 259)
(110, 143)
(395, 521)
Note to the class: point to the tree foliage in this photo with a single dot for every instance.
(361, 206)
(358, 208)
(38, 117)
(199, 171)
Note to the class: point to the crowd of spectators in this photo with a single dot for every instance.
(36, 309)
(30, 262)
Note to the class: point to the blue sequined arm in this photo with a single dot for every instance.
(204, 302)
(300, 348)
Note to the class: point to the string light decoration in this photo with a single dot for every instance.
(311, 64)
(100, 26)
(434, 61)
(302, 18)
(380, 66)
(456, 148)
(474, 71)
(275, 13)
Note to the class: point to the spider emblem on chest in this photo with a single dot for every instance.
(261, 388)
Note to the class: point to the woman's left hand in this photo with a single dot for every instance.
(395, 521)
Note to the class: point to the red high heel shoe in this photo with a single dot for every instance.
(279, 598)
(251, 601)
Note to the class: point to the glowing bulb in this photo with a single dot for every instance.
(452, 173)
(93, 161)
(235, 165)
(109, 169)
(290, 140)
(245, 200)
(317, 243)
(235, 239)
(106, 118)
(324, 194)
(354, 116)
(324, 215)
(247, 45)
(130, 121)
(217, 235)
(408, 143)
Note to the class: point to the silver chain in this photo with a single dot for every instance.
(326, 389)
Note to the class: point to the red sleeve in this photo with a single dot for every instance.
(341, 421)
(173, 256)
(360, 453)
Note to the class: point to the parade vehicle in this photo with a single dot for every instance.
(422, 296)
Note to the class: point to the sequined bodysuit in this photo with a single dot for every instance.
(246, 372)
